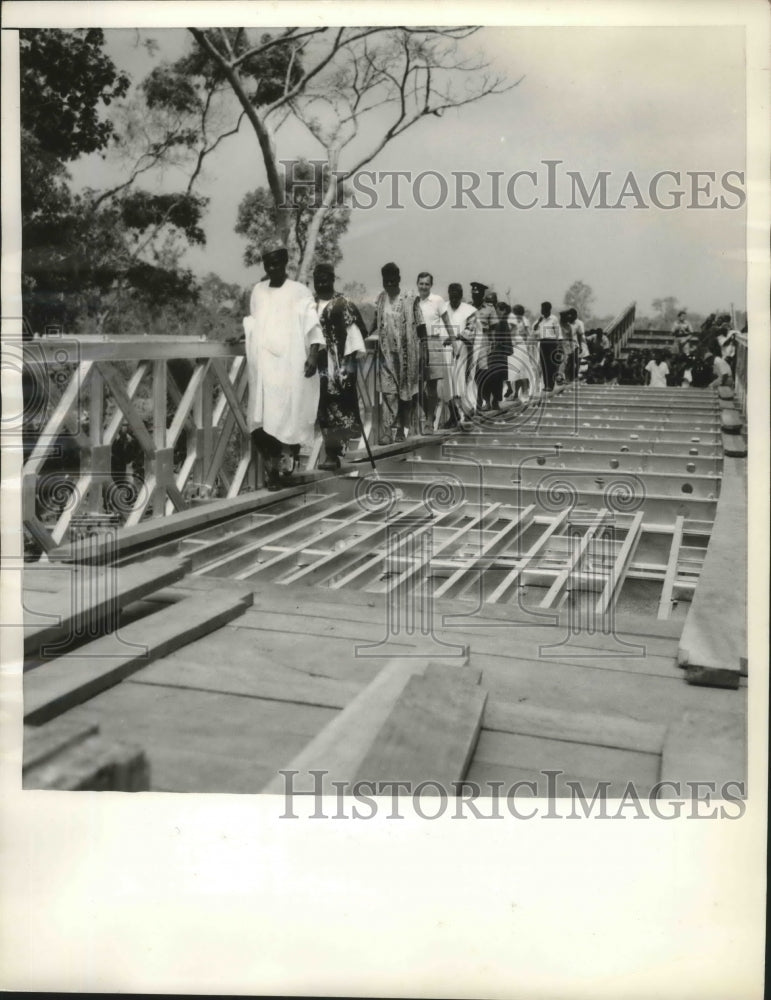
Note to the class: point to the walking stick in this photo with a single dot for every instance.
(364, 435)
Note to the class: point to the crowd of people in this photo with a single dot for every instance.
(692, 360)
(439, 362)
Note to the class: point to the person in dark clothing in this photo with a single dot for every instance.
(498, 357)
(702, 370)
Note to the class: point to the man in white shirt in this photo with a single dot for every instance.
(722, 371)
(549, 332)
(578, 331)
(435, 371)
(657, 370)
(283, 337)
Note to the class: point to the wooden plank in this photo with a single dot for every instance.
(319, 656)
(163, 529)
(612, 731)
(604, 652)
(735, 445)
(232, 664)
(42, 743)
(60, 684)
(95, 764)
(91, 596)
(368, 606)
(703, 746)
(585, 689)
(731, 421)
(714, 639)
(665, 603)
(590, 762)
(341, 746)
(430, 734)
(485, 774)
(201, 741)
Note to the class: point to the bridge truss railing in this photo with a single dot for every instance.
(740, 375)
(620, 328)
(130, 428)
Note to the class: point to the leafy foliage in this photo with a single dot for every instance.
(580, 297)
(258, 217)
(666, 310)
(65, 77)
(141, 210)
(87, 256)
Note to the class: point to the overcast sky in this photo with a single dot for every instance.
(598, 99)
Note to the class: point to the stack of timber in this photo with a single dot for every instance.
(494, 603)
(86, 630)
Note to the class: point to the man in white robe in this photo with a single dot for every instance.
(283, 337)
(459, 313)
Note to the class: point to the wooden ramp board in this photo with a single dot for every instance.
(585, 762)
(42, 743)
(71, 755)
(366, 606)
(91, 595)
(340, 747)
(731, 421)
(203, 741)
(58, 685)
(735, 445)
(611, 731)
(229, 661)
(362, 641)
(589, 690)
(431, 732)
(704, 746)
(714, 640)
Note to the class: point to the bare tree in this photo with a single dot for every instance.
(334, 79)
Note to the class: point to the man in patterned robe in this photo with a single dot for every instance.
(344, 332)
(399, 327)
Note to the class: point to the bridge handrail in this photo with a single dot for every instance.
(619, 328)
(91, 400)
(740, 374)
